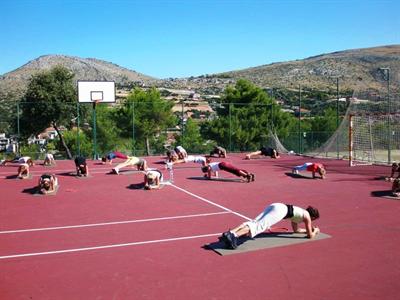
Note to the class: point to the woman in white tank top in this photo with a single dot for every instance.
(271, 215)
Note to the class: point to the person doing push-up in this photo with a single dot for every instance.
(266, 151)
(271, 215)
(140, 163)
(47, 183)
(219, 151)
(23, 171)
(152, 179)
(49, 160)
(112, 155)
(311, 167)
(82, 168)
(213, 168)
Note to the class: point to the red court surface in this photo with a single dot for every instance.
(99, 238)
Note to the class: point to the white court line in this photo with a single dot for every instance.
(110, 223)
(133, 243)
(210, 202)
(108, 246)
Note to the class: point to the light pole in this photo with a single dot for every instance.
(299, 119)
(386, 77)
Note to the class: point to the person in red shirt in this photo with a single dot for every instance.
(311, 167)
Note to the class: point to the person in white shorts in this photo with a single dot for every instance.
(49, 160)
(23, 171)
(152, 179)
(20, 160)
(140, 163)
(197, 159)
(181, 152)
(269, 217)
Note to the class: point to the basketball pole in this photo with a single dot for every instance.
(94, 132)
(78, 127)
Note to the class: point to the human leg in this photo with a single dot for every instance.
(131, 161)
(248, 156)
(269, 217)
(302, 167)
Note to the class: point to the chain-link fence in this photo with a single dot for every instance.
(301, 121)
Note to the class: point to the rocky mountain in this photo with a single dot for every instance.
(83, 68)
(359, 68)
(356, 69)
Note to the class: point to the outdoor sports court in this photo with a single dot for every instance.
(103, 237)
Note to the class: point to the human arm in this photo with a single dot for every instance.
(87, 171)
(309, 230)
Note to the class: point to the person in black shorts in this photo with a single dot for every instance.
(221, 152)
(81, 166)
(266, 151)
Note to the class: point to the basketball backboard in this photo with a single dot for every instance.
(96, 91)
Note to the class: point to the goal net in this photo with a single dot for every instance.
(370, 130)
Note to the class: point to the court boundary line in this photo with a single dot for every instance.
(210, 202)
(110, 223)
(107, 246)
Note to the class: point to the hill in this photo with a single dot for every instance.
(355, 68)
(83, 68)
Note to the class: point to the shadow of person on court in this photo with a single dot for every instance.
(297, 176)
(215, 179)
(32, 190)
(385, 194)
(136, 186)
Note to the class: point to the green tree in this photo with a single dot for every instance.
(192, 139)
(85, 145)
(50, 100)
(245, 116)
(108, 133)
(152, 116)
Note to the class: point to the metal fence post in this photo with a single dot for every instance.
(337, 116)
(133, 129)
(230, 127)
(18, 131)
(299, 119)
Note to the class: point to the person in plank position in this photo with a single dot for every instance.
(266, 151)
(395, 168)
(181, 152)
(172, 156)
(112, 155)
(190, 158)
(82, 168)
(219, 151)
(47, 183)
(132, 161)
(20, 160)
(23, 171)
(49, 160)
(271, 215)
(213, 168)
(152, 179)
(396, 187)
(311, 167)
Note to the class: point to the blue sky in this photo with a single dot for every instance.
(179, 38)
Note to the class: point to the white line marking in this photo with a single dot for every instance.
(108, 246)
(111, 223)
(210, 202)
